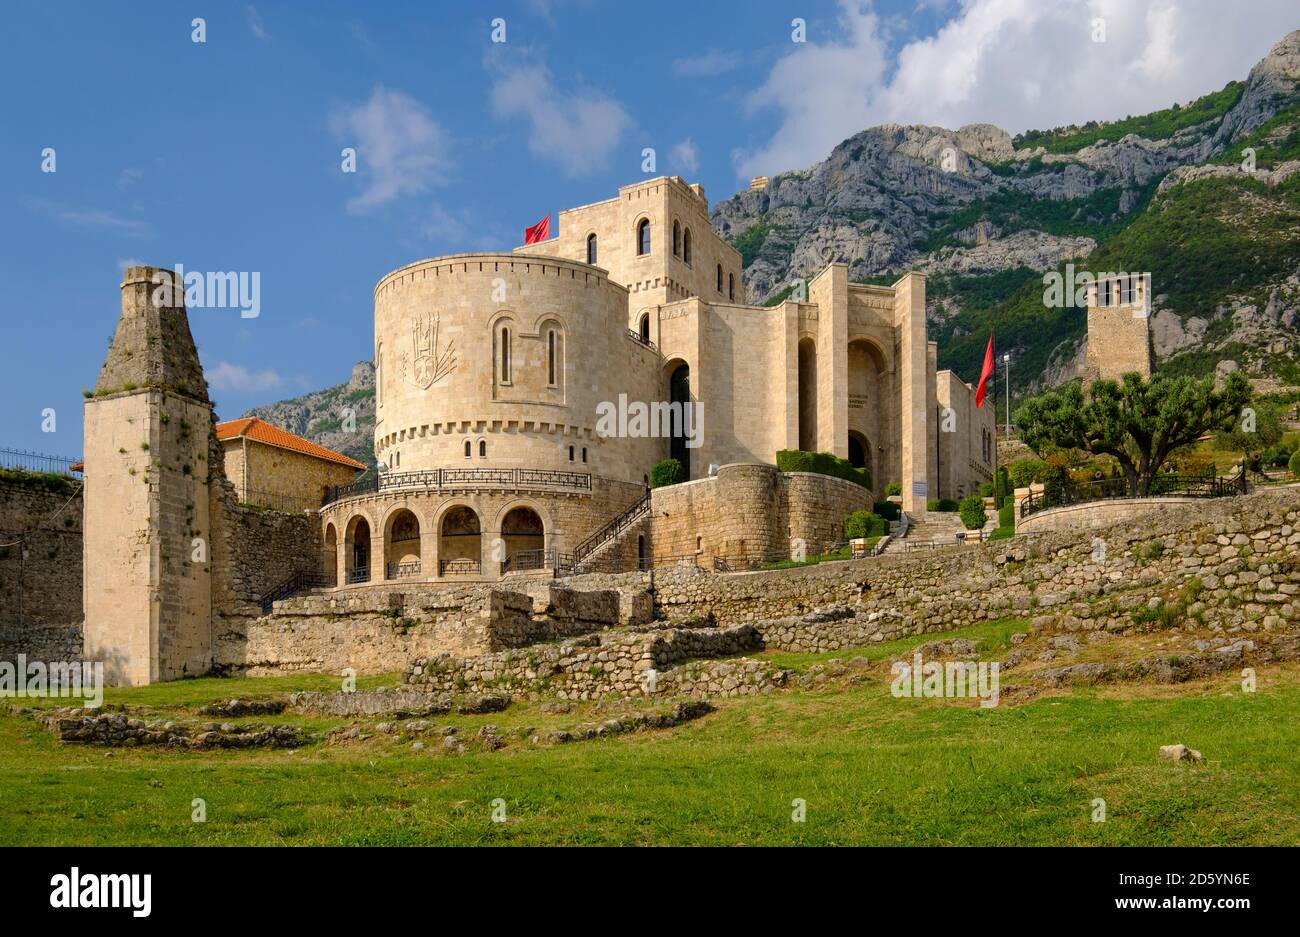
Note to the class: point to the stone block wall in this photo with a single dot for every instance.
(40, 578)
(1093, 515)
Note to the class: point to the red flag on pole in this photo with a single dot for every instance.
(538, 232)
(985, 374)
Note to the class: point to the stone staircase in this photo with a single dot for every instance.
(937, 530)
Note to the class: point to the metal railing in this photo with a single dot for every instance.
(25, 461)
(358, 574)
(298, 582)
(459, 567)
(407, 570)
(636, 337)
(523, 560)
(461, 478)
(276, 500)
(1163, 485)
(620, 523)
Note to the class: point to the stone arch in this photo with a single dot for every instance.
(686, 247)
(870, 400)
(330, 554)
(504, 332)
(678, 373)
(591, 248)
(643, 327)
(860, 451)
(460, 541)
(357, 548)
(523, 535)
(401, 543)
(807, 395)
(642, 234)
(677, 238)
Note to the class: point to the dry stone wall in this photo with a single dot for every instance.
(40, 578)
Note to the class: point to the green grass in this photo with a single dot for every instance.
(872, 769)
(991, 638)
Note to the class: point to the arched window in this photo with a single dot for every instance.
(505, 354)
(591, 248)
(719, 278)
(686, 246)
(551, 367)
(467, 449)
(677, 239)
(570, 453)
(643, 237)
(644, 327)
(482, 448)
(584, 453)
(731, 287)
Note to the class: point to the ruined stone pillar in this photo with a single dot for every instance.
(148, 533)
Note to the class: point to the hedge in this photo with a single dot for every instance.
(667, 472)
(864, 524)
(972, 512)
(822, 463)
(888, 510)
(941, 505)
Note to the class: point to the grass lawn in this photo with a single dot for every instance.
(871, 768)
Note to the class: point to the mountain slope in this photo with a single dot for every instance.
(341, 417)
(986, 216)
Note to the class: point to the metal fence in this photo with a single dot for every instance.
(462, 478)
(1163, 485)
(25, 461)
(276, 500)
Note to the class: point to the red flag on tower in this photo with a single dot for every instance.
(538, 232)
(985, 374)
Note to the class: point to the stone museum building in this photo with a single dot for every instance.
(511, 391)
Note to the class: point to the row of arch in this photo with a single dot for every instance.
(403, 551)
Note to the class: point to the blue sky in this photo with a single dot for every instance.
(225, 155)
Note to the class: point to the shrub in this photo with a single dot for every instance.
(942, 505)
(1024, 472)
(888, 510)
(864, 524)
(972, 512)
(1294, 464)
(822, 463)
(986, 489)
(1007, 515)
(1003, 492)
(667, 472)
(893, 488)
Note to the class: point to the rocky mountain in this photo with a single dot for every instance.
(341, 417)
(986, 215)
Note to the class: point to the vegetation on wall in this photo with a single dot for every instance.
(823, 463)
(667, 472)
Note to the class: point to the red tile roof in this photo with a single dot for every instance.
(261, 431)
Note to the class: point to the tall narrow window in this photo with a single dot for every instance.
(591, 248)
(482, 448)
(584, 453)
(379, 376)
(644, 327)
(731, 287)
(643, 237)
(686, 246)
(719, 278)
(570, 453)
(505, 354)
(677, 239)
(550, 357)
(467, 450)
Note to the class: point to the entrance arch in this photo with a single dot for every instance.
(524, 536)
(330, 556)
(679, 392)
(401, 545)
(807, 395)
(356, 546)
(460, 543)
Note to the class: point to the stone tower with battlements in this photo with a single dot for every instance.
(149, 457)
(1119, 327)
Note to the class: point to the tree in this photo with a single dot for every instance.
(1139, 423)
(1254, 431)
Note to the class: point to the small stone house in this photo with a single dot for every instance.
(272, 467)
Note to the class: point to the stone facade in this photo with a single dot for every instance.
(1095, 515)
(272, 476)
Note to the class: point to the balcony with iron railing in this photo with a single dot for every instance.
(462, 479)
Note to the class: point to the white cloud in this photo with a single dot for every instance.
(124, 263)
(1020, 64)
(239, 379)
(127, 178)
(713, 62)
(577, 131)
(255, 24)
(401, 149)
(98, 218)
(685, 156)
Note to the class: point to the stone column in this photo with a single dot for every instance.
(909, 318)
